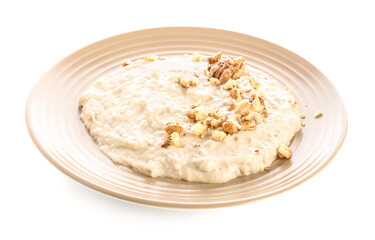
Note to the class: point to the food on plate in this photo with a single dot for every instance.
(198, 118)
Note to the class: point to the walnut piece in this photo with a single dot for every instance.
(198, 129)
(231, 127)
(248, 126)
(253, 116)
(167, 143)
(236, 93)
(243, 108)
(253, 83)
(196, 57)
(318, 114)
(284, 152)
(230, 84)
(188, 81)
(173, 127)
(257, 104)
(215, 58)
(198, 113)
(303, 115)
(151, 58)
(215, 81)
(126, 62)
(218, 135)
(175, 139)
(226, 68)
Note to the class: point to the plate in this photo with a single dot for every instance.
(52, 117)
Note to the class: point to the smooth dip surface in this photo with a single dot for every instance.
(178, 118)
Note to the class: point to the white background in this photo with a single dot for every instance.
(39, 202)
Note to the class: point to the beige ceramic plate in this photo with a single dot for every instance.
(53, 119)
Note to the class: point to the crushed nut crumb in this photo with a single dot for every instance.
(198, 129)
(215, 58)
(284, 152)
(243, 108)
(151, 58)
(126, 62)
(303, 115)
(196, 57)
(248, 126)
(231, 127)
(257, 104)
(218, 135)
(175, 138)
(236, 93)
(318, 114)
(254, 83)
(215, 81)
(229, 84)
(173, 127)
(188, 81)
(200, 114)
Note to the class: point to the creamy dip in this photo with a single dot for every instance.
(129, 111)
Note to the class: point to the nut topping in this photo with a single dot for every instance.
(218, 135)
(225, 68)
(126, 62)
(231, 127)
(173, 127)
(243, 107)
(284, 152)
(188, 81)
(215, 58)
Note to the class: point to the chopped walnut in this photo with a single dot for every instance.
(215, 58)
(253, 83)
(231, 127)
(232, 105)
(230, 84)
(218, 135)
(151, 58)
(303, 124)
(188, 81)
(240, 72)
(173, 127)
(215, 81)
(318, 114)
(243, 107)
(225, 68)
(248, 126)
(252, 116)
(175, 139)
(196, 57)
(214, 114)
(215, 123)
(198, 129)
(256, 117)
(212, 123)
(167, 143)
(126, 62)
(200, 114)
(284, 152)
(257, 104)
(236, 93)
(303, 115)
(191, 113)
